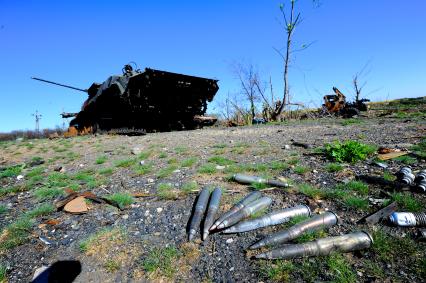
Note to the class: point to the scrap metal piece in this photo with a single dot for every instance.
(408, 219)
(321, 247)
(211, 211)
(253, 207)
(421, 176)
(247, 179)
(422, 235)
(382, 213)
(315, 223)
(239, 205)
(200, 208)
(405, 176)
(274, 218)
(421, 186)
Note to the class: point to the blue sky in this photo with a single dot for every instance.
(79, 42)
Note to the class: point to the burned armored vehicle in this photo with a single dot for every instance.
(147, 101)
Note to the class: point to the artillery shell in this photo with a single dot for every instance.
(240, 205)
(245, 212)
(246, 179)
(273, 218)
(312, 224)
(200, 208)
(211, 211)
(408, 219)
(320, 247)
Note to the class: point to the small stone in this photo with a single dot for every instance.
(136, 150)
(149, 180)
(19, 177)
(360, 274)
(146, 213)
(176, 171)
(57, 168)
(229, 241)
(232, 269)
(314, 171)
(81, 165)
(125, 216)
(159, 209)
(287, 146)
(142, 162)
(220, 167)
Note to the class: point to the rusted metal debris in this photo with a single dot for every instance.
(143, 101)
(336, 104)
(380, 214)
(321, 247)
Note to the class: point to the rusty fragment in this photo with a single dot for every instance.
(380, 214)
(392, 155)
(76, 206)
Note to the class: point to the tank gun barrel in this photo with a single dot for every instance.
(67, 86)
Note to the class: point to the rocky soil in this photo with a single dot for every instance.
(147, 240)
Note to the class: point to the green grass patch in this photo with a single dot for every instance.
(388, 176)
(111, 265)
(420, 148)
(388, 248)
(407, 202)
(181, 150)
(355, 186)
(42, 210)
(11, 171)
(220, 160)
(88, 178)
(162, 155)
(101, 159)
(121, 199)
(356, 202)
(35, 172)
(143, 169)
(310, 191)
(208, 168)
(277, 271)
(17, 233)
(278, 165)
(105, 234)
(172, 160)
(220, 145)
(333, 167)
(167, 171)
(340, 269)
(352, 121)
(3, 209)
(124, 163)
(189, 187)
(165, 191)
(3, 272)
(348, 151)
(106, 171)
(144, 155)
(45, 193)
(258, 186)
(162, 261)
(408, 160)
(293, 161)
(310, 236)
(301, 170)
(189, 162)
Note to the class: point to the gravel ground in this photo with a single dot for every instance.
(156, 223)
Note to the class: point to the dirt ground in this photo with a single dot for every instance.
(147, 240)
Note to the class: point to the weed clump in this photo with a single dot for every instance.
(161, 261)
(348, 151)
(121, 199)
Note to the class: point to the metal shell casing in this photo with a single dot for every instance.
(317, 222)
(200, 208)
(274, 218)
(238, 206)
(211, 211)
(320, 247)
(253, 207)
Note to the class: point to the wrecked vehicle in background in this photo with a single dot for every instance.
(337, 104)
(148, 101)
